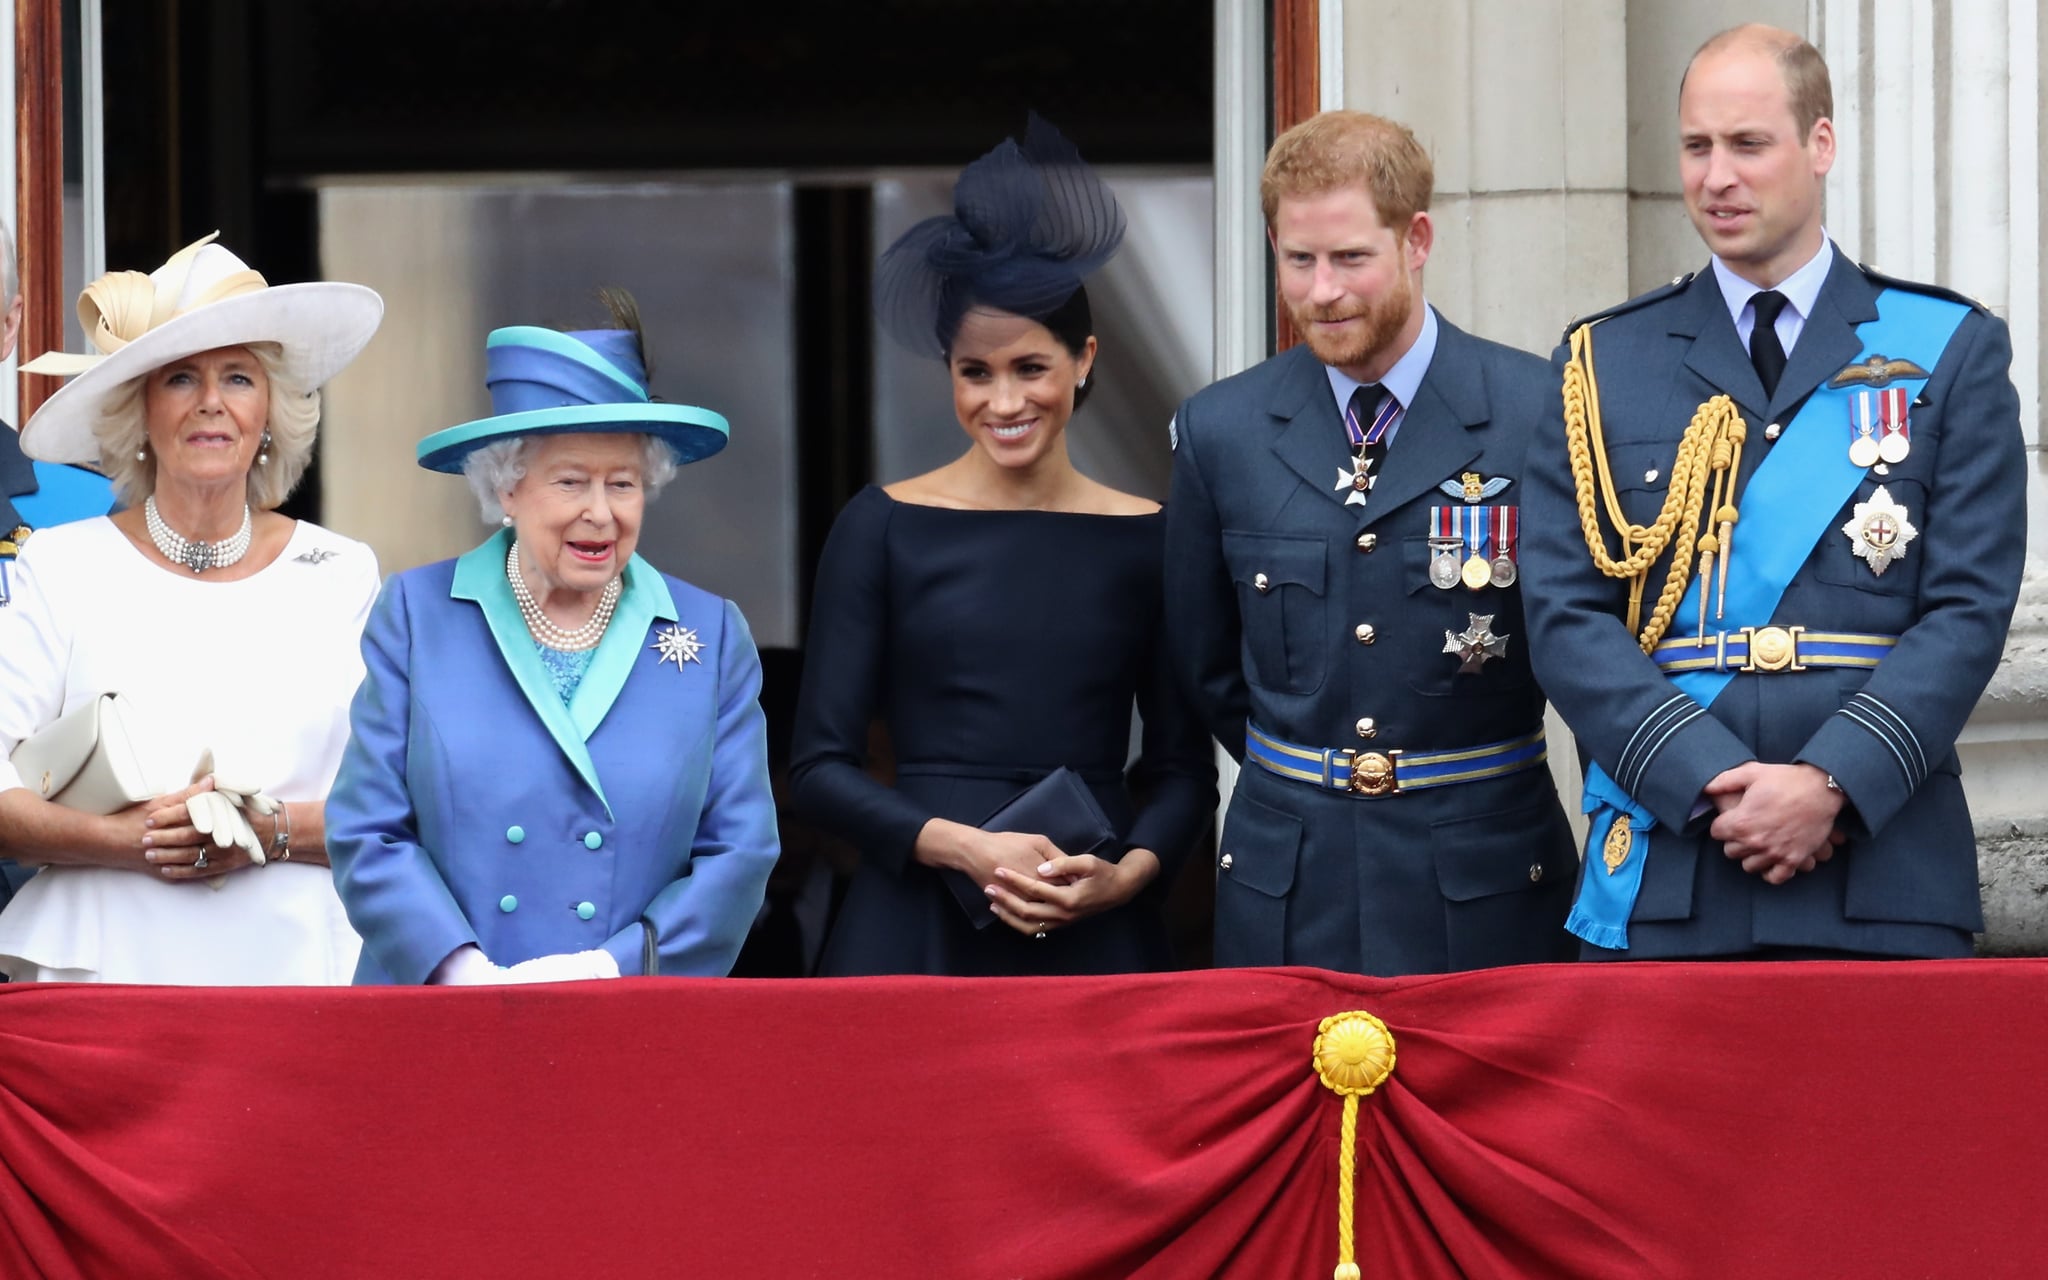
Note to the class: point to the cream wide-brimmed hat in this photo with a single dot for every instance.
(202, 299)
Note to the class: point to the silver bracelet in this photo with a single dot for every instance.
(281, 839)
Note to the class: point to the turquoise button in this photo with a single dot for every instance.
(585, 910)
(508, 904)
(593, 841)
(514, 835)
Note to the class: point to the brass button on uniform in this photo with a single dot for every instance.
(1259, 583)
(1226, 862)
(1364, 632)
(1535, 873)
(1368, 727)
(1367, 541)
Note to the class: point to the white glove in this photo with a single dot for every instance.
(467, 966)
(571, 967)
(220, 820)
(224, 809)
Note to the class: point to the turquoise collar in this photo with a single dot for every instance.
(645, 599)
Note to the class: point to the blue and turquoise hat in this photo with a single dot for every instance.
(545, 382)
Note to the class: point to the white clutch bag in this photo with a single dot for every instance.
(86, 760)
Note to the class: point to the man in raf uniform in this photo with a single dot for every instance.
(1341, 584)
(1821, 474)
(32, 494)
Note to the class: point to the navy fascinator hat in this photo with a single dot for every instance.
(1030, 220)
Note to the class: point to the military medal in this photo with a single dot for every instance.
(1475, 644)
(1897, 439)
(1445, 542)
(1478, 570)
(1506, 521)
(1863, 426)
(1879, 531)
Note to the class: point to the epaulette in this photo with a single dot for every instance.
(1916, 286)
(1657, 294)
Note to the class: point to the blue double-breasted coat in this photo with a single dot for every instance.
(473, 805)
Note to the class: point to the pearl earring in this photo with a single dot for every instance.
(1082, 385)
(506, 521)
(142, 452)
(263, 454)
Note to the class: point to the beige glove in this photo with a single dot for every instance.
(222, 812)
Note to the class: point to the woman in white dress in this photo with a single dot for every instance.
(232, 632)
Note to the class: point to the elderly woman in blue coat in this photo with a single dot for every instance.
(558, 767)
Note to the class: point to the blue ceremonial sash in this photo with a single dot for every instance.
(1788, 506)
(64, 494)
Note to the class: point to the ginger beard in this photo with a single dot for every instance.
(1380, 322)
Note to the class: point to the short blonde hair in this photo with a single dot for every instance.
(294, 423)
(1338, 149)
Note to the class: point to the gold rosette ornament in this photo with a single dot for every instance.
(1354, 1056)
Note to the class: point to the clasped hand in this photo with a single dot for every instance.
(203, 832)
(1776, 819)
(1034, 888)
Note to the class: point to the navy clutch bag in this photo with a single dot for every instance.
(1059, 807)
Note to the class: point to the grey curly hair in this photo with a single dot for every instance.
(294, 422)
(494, 469)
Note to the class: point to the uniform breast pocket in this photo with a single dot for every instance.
(1642, 479)
(1280, 599)
(1887, 533)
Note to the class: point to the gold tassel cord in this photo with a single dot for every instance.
(1354, 1055)
(1710, 449)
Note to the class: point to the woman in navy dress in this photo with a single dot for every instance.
(1002, 614)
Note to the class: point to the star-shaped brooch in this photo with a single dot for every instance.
(1879, 531)
(1475, 644)
(677, 644)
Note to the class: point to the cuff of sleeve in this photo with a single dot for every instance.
(1864, 763)
(1673, 780)
(627, 948)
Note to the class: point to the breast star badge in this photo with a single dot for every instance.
(678, 645)
(1475, 644)
(1879, 531)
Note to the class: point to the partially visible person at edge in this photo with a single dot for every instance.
(33, 495)
(559, 766)
(1002, 615)
(1829, 461)
(1342, 586)
(231, 630)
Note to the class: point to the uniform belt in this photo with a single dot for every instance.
(1766, 649)
(1387, 773)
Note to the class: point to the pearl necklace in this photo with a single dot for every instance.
(194, 555)
(544, 628)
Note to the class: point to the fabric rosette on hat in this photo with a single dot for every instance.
(546, 382)
(1030, 222)
(202, 299)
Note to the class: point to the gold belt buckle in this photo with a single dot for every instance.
(1772, 649)
(1372, 773)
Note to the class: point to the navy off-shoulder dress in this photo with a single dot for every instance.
(997, 646)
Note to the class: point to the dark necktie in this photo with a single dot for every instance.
(1367, 435)
(1765, 351)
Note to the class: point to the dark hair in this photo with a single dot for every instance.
(1072, 323)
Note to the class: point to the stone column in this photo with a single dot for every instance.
(1940, 178)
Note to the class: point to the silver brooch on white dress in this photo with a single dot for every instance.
(677, 644)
